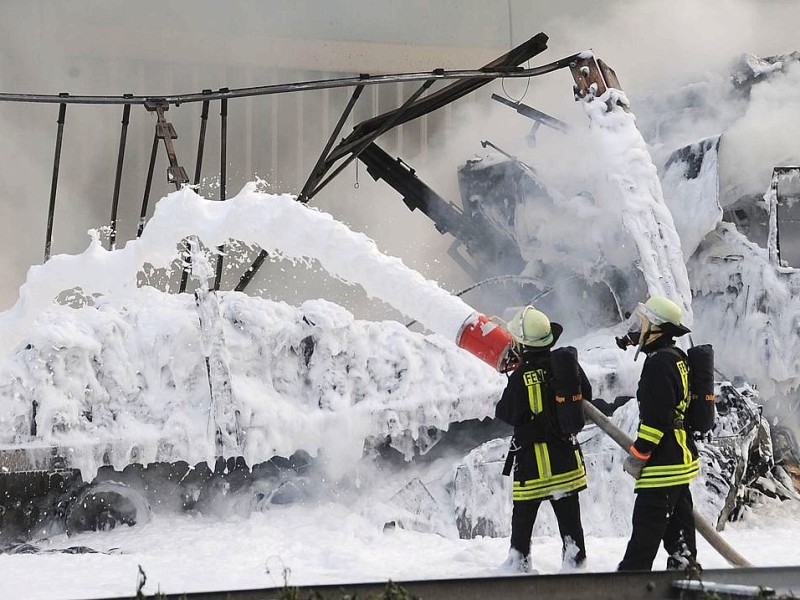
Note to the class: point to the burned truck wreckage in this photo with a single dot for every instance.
(744, 247)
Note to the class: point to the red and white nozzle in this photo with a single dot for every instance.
(487, 340)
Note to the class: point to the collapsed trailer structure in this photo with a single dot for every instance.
(40, 485)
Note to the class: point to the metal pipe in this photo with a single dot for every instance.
(301, 86)
(358, 146)
(319, 168)
(248, 275)
(148, 183)
(62, 116)
(201, 142)
(112, 238)
(223, 147)
(223, 174)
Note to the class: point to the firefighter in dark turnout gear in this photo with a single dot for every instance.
(542, 401)
(663, 458)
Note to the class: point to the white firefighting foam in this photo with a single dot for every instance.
(634, 192)
(278, 224)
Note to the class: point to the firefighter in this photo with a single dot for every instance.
(542, 401)
(663, 458)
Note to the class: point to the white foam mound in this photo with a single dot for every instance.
(124, 378)
(127, 382)
(278, 224)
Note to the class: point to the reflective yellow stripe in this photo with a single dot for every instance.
(667, 475)
(537, 484)
(578, 484)
(542, 459)
(656, 470)
(533, 399)
(655, 482)
(683, 369)
(651, 434)
(530, 484)
(541, 488)
(680, 436)
(533, 381)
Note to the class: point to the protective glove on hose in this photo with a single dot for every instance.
(634, 462)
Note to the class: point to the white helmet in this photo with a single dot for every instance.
(531, 327)
(663, 313)
(657, 317)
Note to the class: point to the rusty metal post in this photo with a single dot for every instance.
(593, 78)
(176, 174)
(62, 115)
(164, 130)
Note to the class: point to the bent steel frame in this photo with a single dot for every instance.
(333, 158)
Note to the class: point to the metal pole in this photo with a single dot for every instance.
(201, 142)
(126, 112)
(319, 169)
(248, 275)
(358, 146)
(62, 115)
(223, 159)
(148, 183)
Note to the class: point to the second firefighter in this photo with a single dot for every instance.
(542, 401)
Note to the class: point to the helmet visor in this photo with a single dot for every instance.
(645, 313)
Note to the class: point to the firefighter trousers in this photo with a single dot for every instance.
(568, 515)
(661, 514)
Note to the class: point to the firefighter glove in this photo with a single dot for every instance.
(634, 462)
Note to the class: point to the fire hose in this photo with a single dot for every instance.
(703, 527)
(492, 343)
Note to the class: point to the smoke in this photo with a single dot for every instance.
(117, 48)
(653, 45)
(763, 137)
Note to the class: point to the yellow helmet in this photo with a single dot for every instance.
(663, 313)
(531, 327)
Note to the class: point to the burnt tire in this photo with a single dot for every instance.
(106, 505)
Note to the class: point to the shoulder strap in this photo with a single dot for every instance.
(675, 351)
(681, 406)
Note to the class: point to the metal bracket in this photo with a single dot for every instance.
(539, 117)
(176, 174)
(592, 77)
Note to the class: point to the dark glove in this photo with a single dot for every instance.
(634, 463)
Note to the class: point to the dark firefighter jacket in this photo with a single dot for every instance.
(663, 398)
(547, 462)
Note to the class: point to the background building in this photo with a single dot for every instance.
(182, 46)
